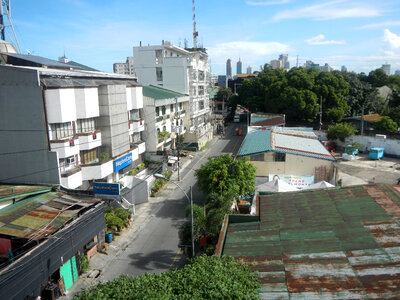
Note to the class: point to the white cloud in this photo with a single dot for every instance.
(392, 39)
(320, 40)
(249, 52)
(382, 24)
(267, 3)
(337, 9)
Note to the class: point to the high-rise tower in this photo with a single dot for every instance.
(229, 68)
(239, 67)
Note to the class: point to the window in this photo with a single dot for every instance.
(201, 75)
(180, 106)
(181, 122)
(134, 114)
(219, 106)
(280, 156)
(89, 156)
(159, 74)
(259, 157)
(61, 130)
(163, 110)
(158, 131)
(201, 90)
(136, 137)
(172, 108)
(86, 125)
(157, 111)
(159, 58)
(194, 91)
(164, 128)
(201, 104)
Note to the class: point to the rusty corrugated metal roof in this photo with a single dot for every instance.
(41, 215)
(325, 244)
(18, 191)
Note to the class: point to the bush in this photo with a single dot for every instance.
(340, 131)
(84, 263)
(104, 156)
(136, 170)
(116, 218)
(386, 124)
(205, 277)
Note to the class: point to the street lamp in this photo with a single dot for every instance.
(190, 200)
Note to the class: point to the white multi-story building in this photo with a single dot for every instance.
(125, 68)
(184, 71)
(67, 127)
(165, 117)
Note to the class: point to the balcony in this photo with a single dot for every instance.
(136, 126)
(134, 97)
(60, 105)
(87, 103)
(66, 147)
(89, 140)
(181, 112)
(97, 170)
(159, 119)
(71, 177)
(179, 129)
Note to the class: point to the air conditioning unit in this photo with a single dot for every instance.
(71, 160)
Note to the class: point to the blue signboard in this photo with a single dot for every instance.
(102, 188)
(122, 162)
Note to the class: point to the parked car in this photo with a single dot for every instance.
(329, 145)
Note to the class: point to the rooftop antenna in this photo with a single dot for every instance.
(5, 7)
(195, 33)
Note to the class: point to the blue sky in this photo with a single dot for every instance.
(360, 34)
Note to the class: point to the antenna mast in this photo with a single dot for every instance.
(5, 7)
(195, 33)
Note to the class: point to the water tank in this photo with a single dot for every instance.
(6, 47)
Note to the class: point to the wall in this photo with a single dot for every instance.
(294, 165)
(391, 146)
(24, 155)
(113, 120)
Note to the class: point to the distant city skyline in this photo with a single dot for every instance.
(362, 35)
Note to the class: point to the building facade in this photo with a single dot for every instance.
(166, 117)
(386, 69)
(184, 71)
(239, 66)
(125, 68)
(85, 126)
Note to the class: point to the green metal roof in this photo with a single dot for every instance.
(158, 93)
(323, 244)
(256, 142)
(8, 192)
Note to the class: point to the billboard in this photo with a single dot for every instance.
(122, 162)
(300, 181)
(106, 190)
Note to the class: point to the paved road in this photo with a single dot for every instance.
(151, 243)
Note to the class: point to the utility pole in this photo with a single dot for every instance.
(191, 216)
(362, 119)
(297, 61)
(320, 113)
(195, 33)
(177, 137)
(2, 27)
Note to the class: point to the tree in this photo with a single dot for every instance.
(377, 78)
(386, 124)
(223, 94)
(205, 277)
(340, 131)
(221, 174)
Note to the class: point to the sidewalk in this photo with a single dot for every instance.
(142, 217)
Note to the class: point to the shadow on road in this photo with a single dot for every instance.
(160, 260)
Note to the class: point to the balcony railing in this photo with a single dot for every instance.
(159, 119)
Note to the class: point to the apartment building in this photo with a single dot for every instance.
(125, 68)
(165, 117)
(184, 71)
(66, 126)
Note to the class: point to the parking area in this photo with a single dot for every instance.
(364, 170)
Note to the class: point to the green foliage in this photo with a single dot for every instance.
(354, 146)
(223, 94)
(377, 78)
(386, 124)
(116, 218)
(340, 131)
(163, 134)
(136, 170)
(394, 114)
(104, 156)
(221, 174)
(84, 263)
(205, 277)
(159, 183)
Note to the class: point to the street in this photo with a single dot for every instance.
(151, 244)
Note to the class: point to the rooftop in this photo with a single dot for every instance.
(40, 215)
(368, 118)
(158, 93)
(267, 120)
(322, 244)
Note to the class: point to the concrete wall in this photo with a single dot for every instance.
(24, 155)
(113, 120)
(294, 165)
(391, 146)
